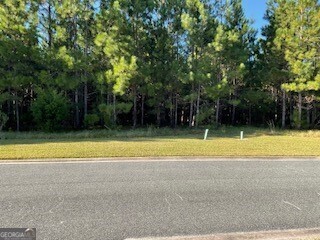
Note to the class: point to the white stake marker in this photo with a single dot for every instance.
(241, 135)
(206, 134)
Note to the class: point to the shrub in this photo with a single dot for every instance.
(106, 113)
(90, 120)
(50, 110)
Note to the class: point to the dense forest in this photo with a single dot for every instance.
(75, 64)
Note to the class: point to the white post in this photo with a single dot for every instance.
(206, 134)
(241, 135)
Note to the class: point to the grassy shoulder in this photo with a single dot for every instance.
(165, 142)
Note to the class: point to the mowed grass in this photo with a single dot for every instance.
(223, 142)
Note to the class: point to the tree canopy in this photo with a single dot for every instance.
(106, 63)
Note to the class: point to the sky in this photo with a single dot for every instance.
(255, 10)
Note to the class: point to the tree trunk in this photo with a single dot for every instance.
(85, 96)
(9, 104)
(233, 116)
(299, 110)
(276, 111)
(142, 109)
(9, 108)
(198, 106)
(101, 95)
(77, 114)
(191, 109)
(182, 118)
(283, 120)
(250, 116)
(314, 116)
(191, 113)
(233, 119)
(171, 110)
(49, 24)
(17, 111)
(308, 117)
(158, 115)
(134, 113)
(291, 110)
(114, 110)
(176, 112)
(109, 97)
(217, 111)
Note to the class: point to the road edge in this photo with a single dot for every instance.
(260, 235)
(160, 159)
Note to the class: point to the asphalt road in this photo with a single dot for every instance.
(118, 200)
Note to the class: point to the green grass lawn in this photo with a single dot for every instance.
(143, 143)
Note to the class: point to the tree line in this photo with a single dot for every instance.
(75, 64)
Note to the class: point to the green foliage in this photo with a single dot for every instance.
(50, 110)
(91, 120)
(121, 74)
(117, 48)
(3, 120)
(123, 107)
(298, 34)
(297, 122)
(165, 63)
(106, 113)
(206, 116)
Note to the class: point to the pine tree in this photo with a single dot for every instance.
(238, 53)
(18, 52)
(195, 21)
(297, 33)
(74, 43)
(118, 47)
(273, 67)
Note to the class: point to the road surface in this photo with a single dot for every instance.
(119, 200)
